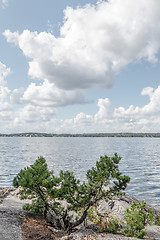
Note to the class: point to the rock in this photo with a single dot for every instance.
(117, 207)
(10, 226)
(85, 233)
(12, 202)
(11, 212)
(153, 232)
(117, 210)
(4, 191)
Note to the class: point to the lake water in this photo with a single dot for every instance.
(140, 159)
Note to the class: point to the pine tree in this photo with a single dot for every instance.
(104, 181)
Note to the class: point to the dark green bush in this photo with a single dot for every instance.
(47, 191)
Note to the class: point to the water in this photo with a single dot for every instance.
(140, 159)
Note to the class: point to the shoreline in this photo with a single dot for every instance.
(5, 190)
(12, 215)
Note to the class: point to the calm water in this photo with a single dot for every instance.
(140, 159)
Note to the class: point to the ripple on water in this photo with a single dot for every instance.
(140, 159)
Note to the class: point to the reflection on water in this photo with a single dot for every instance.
(140, 159)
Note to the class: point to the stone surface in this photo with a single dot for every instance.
(10, 226)
(12, 203)
(152, 233)
(11, 214)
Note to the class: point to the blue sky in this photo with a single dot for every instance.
(79, 66)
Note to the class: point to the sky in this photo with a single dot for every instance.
(79, 66)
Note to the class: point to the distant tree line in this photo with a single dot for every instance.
(34, 134)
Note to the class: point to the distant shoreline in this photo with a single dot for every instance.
(34, 134)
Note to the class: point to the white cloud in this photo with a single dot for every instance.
(46, 95)
(83, 119)
(150, 109)
(16, 96)
(12, 38)
(32, 114)
(95, 43)
(5, 106)
(127, 114)
(4, 93)
(147, 91)
(4, 72)
(4, 2)
(133, 119)
(104, 112)
(153, 108)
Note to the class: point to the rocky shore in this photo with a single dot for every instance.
(15, 224)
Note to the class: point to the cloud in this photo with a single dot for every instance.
(4, 72)
(82, 119)
(104, 112)
(4, 2)
(133, 119)
(147, 91)
(32, 114)
(47, 95)
(150, 109)
(12, 38)
(4, 91)
(153, 107)
(95, 43)
(16, 96)
(5, 106)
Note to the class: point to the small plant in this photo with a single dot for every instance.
(93, 216)
(105, 223)
(109, 224)
(47, 191)
(136, 218)
(157, 220)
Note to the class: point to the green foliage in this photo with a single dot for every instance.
(37, 183)
(109, 225)
(105, 174)
(47, 191)
(157, 220)
(136, 218)
(93, 216)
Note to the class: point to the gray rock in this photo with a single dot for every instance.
(11, 221)
(153, 232)
(10, 226)
(88, 234)
(11, 215)
(117, 207)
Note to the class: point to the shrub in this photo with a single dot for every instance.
(157, 220)
(104, 222)
(47, 190)
(136, 218)
(111, 225)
